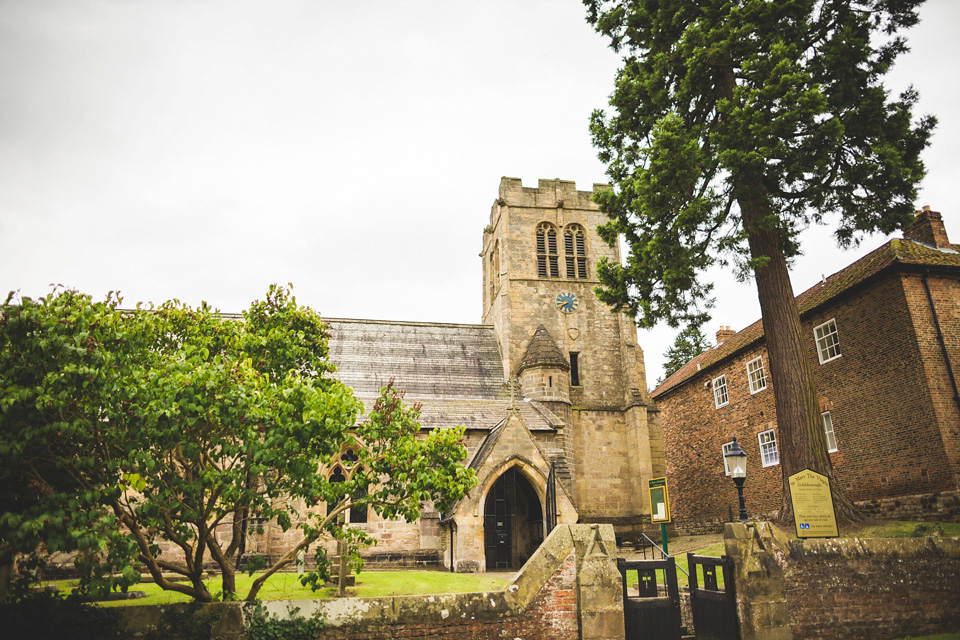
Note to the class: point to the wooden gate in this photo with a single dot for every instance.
(651, 611)
(714, 604)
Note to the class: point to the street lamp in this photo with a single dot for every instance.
(737, 462)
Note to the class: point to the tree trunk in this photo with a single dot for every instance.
(801, 438)
(6, 576)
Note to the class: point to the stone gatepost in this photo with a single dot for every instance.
(757, 549)
(599, 589)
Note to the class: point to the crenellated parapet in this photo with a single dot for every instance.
(559, 194)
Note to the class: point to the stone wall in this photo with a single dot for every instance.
(569, 589)
(942, 505)
(843, 588)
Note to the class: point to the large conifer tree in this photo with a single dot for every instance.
(734, 125)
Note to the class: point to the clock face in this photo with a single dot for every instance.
(567, 302)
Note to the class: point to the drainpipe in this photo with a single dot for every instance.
(943, 345)
(451, 545)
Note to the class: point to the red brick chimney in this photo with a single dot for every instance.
(723, 333)
(928, 229)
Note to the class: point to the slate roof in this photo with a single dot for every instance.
(897, 252)
(543, 352)
(454, 370)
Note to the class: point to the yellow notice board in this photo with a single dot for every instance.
(659, 500)
(813, 505)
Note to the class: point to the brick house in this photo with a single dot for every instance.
(883, 335)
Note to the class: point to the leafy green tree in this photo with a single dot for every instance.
(734, 125)
(123, 430)
(688, 344)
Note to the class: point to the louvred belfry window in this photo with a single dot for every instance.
(548, 260)
(575, 251)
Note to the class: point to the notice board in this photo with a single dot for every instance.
(659, 500)
(812, 505)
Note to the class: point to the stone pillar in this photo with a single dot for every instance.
(599, 589)
(761, 586)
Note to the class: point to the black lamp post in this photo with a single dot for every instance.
(737, 462)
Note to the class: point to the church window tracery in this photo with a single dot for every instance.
(575, 251)
(347, 468)
(548, 259)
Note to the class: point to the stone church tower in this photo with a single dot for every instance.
(550, 389)
(566, 349)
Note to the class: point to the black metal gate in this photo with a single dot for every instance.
(652, 610)
(551, 505)
(714, 604)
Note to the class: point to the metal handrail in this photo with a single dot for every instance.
(663, 554)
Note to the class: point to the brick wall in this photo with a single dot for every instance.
(887, 429)
(846, 589)
(890, 588)
(888, 394)
(945, 291)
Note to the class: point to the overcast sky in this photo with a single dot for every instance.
(202, 150)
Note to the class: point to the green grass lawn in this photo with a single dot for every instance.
(286, 586)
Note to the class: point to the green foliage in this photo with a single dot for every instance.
(262, 626)
(119, 428)
(189, 622)
(927, 530)
(689, 343)
(722, 108)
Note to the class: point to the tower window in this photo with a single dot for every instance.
(574, 369)
(548, 260)
(575, 251)
(494, 270)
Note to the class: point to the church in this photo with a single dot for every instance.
(550, 386)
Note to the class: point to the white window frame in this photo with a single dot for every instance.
(828, 431)
(720, 389)
(768, 443)
(827, 338)
(762, 378)
(724, 450)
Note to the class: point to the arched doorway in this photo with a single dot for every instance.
(512, 521)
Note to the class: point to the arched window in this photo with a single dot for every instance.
(548, 261)
(575, 251)
(335, 477)
(358, 512)
(348, 467)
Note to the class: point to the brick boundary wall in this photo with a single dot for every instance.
(843, 588)
(570, 588)
(943, 506)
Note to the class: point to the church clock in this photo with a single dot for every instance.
(567, 302)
